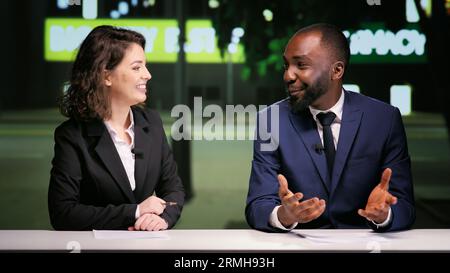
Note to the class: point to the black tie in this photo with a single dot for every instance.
(326, 119)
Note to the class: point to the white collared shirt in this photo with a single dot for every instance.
(337, 109)
(124, 149)
(125, 154)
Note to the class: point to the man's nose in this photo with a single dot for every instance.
(289, 76)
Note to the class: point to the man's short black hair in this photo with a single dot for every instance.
(332, 38)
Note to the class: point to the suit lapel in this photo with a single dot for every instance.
(143, 141)
(351, 119)
(107, 152)
(306, 128)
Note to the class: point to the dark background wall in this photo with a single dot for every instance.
(29, 82)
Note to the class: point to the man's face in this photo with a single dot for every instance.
(306, 70)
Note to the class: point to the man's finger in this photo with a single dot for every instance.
(316, 212)
(298, 196)
(309, 203)
(362, 213)
(385, 178)
(284, 190)
(295, 198)
(391, 200)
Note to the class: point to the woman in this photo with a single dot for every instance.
(112, 167)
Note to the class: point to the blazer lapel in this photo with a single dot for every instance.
(351, 119)
(305, 126)
(108, 154)
(143, 141)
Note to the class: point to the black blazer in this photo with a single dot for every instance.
(89, 188)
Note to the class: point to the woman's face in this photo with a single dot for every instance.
(127, 81)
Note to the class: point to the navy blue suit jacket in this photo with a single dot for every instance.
(372, 138)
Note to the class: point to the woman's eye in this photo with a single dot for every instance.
(136, 68)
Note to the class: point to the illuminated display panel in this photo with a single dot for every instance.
(368, 45)
(63, 37)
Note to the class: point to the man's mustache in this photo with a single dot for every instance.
(302, 87)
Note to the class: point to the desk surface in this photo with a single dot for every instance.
(227, 240)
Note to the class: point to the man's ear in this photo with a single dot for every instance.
(338, 70)
(107, 78)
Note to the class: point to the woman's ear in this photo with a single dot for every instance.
(107, 78)
(338, 70)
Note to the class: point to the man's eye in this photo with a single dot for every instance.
(136, 68)
(285, 66)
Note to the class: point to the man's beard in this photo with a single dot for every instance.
(311, 94)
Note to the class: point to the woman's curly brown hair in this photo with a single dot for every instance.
(103, 49)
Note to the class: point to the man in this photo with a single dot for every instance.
(342, 159)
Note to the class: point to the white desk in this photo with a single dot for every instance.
(360, 240)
